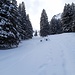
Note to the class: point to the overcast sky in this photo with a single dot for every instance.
(34, 9)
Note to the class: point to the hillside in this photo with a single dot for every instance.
(53, 57)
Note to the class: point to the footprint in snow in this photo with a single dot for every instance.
(42, 70)
(43, 66)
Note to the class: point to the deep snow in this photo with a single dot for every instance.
(53, 57)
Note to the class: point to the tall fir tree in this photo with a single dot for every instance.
(26, 26)
(44, 24)
(22, 31)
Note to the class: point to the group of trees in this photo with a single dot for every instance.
(66, 22)
(49, 28)
(55, 25)
(15, 24)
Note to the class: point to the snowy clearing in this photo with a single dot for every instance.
(53, 57)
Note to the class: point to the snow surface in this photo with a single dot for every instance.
(53, 57)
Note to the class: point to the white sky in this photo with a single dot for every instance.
(34, 9)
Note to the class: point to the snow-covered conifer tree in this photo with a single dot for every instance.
(44, 24)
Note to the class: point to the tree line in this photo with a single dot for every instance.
(64, 24)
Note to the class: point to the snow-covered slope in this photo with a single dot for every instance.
(53, 57)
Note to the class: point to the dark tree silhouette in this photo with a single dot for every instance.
(44, 24)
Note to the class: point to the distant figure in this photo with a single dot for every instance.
(40, 40)
(46, 39)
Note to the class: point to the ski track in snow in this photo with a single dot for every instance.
(53, 57)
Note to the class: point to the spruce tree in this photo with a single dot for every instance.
(26, 26)
(22, 12)
(44, 24)
(22, 32)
